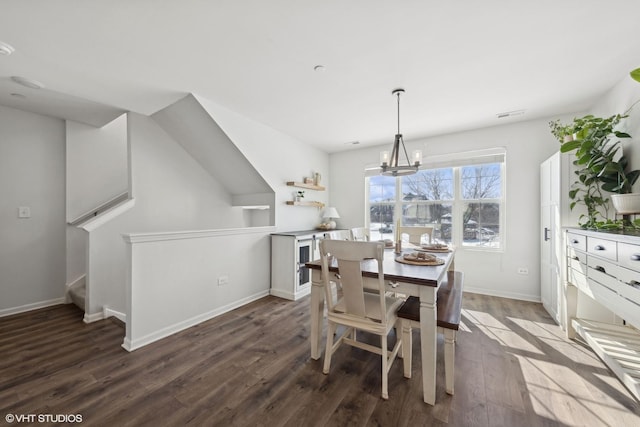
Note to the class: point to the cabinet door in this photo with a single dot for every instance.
(550, 236)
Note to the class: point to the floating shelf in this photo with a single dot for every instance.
(307, 186)
(318, 205)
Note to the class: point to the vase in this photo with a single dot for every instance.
(626, 203)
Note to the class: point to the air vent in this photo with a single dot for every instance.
(510, 114)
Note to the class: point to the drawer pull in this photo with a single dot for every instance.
(635, 284)
(599, 248)
(600, 269)
(575, 258)
(635, 257)
(574, 241)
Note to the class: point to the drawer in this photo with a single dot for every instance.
(577, 241)
(629, 256)
(629, 278)
(578, 279)
(574, 258)
(602, 248)
(602, 271)
(603, 294)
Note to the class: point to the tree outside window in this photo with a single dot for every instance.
(462, 204)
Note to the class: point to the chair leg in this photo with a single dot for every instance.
(385, 362)
(331, 330)
(407, 344)
(449, 358)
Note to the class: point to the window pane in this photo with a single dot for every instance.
(381, 220)
(382, 199)
(481, 225)
(481, 182)
(429, 214)
(432, 184)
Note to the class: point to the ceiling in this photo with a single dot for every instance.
(461, 62)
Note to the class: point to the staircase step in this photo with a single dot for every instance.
(78, 294)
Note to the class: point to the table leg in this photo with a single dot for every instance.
(428, 342)
(317, 311)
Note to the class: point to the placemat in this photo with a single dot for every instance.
(401, 259)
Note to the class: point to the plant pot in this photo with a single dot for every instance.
(626, 203)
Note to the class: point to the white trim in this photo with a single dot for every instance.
(107, 312)
(293, 296)
(33, 306)
(80, 219)
(108, 215)
(90, 318)
(193, 234)
(131, 345)
(510, 295)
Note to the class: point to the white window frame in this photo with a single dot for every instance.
(456, 162)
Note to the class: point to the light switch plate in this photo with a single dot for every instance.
(24, 212)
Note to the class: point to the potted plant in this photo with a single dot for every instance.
(618, 179)
(599, 165)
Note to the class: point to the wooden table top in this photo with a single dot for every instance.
(425, 275)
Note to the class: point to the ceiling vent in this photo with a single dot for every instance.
(510, 114)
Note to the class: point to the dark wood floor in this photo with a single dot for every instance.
(251, 367)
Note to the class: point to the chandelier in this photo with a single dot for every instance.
(392, 166)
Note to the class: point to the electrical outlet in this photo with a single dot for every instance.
(223, 280)
(523, 270)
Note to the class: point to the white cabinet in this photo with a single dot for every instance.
(549, 219)
(553, 215)
(290, 251)
(605, 267)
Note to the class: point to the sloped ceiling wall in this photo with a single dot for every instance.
(189, 123)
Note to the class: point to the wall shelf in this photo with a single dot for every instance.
(304, 185)
(318, 205)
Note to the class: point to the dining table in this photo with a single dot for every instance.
(421, 281)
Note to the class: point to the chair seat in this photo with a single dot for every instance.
(372, 306)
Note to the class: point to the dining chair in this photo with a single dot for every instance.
(415, 234)
(360, 234)
(338, 235)
(356, 309)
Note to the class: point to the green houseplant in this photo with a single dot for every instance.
(599, 165)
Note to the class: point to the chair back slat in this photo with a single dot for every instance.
(352, 287)
(360, 234)
(349, 255)
(415, 233)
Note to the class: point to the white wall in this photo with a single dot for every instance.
(172, 192)
(278, 158)
(97, 168)
(173, 283)
(527, 145)
(32, 251)
(618, 100)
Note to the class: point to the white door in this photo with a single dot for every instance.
(550, 235)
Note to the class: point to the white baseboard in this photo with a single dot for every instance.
(28, 307)
(511, 295)
(293, 296)
(133, 344)
(107, 312)
(90, 318)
